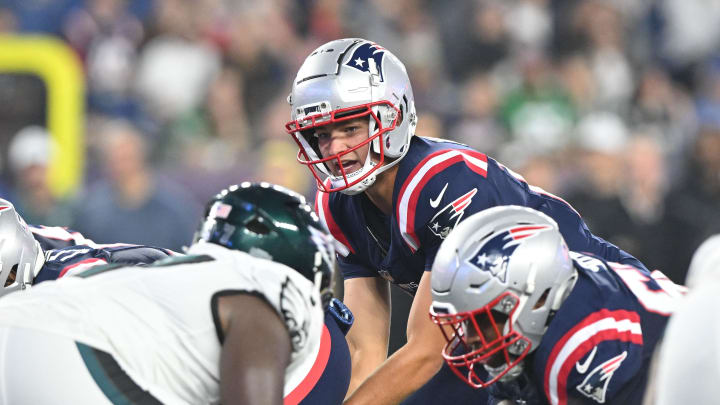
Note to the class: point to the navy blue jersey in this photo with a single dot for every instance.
(329, 378)
(57, 237)
(73, 259)
(438, 183)
(598, 346)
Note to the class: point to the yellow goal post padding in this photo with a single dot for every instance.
(59, 67)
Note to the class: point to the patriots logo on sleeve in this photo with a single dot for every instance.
(494, 254)
(368, 58)
(444, 221)
(594, 386)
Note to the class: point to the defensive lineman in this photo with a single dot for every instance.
(217, 325)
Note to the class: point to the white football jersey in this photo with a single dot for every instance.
(158, 323)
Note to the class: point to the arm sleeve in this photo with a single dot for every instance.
(610, 374)
(56, 237)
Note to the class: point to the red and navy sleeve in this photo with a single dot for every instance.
(56, 237)
(76, 259)
(445, 187)
(596, 359)
(597, 348)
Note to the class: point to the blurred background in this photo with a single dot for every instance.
(149, 107)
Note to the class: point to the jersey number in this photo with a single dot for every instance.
(661, 301)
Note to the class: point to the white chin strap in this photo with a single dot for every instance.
(363, 185)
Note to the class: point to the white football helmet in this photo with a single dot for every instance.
(496, 280)
(20, 254)
(347, 79)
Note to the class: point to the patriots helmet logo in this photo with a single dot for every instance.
(493, 255)
(595, 385)
(446, 219)
(368, 57)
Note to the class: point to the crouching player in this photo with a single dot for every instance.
(239, 319)
(33, 254)
(532, 322)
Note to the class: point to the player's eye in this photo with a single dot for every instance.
(351, 129)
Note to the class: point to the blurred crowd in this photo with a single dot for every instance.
(614, 105)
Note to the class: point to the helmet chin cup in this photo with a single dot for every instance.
(361, 186)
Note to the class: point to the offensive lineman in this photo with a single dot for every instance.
(354, 119)
(534, 323)
(30, 254)
(230, 322)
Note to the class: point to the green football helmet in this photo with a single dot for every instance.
(272, 222)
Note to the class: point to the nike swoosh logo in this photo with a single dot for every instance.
(582, 368)
(434, 203)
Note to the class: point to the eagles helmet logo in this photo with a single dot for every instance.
(368, 57)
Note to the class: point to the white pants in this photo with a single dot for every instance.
(38, 368)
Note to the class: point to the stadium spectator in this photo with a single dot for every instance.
(133, 204)
(29, 156)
